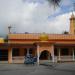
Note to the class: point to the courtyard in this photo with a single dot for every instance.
(50, 69)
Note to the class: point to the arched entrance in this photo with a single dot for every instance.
(45, 55)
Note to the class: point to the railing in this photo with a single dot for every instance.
(65, 58)
(18, 59)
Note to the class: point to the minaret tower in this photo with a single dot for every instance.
(72, 24)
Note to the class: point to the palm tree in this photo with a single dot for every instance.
(55, 3)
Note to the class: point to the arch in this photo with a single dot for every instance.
(45, 55)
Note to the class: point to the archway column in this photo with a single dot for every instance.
(73, 53)
(10, 55)
(38, 55)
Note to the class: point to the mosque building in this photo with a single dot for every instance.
(50, 47)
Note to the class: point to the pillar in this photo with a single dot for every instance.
(59, 54)
(52, 53)
(27, 51)
(73, 53)
(38, 55)
(10, 55)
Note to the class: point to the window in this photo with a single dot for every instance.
(30, 51)
(55, 52)
(64, 51)
(15, 52)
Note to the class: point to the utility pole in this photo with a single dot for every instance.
(9, 29)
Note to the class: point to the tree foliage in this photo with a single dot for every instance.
(65, 32)
(54, 2)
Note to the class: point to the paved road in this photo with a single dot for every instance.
(52, 69)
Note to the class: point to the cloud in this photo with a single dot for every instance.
(31, 17)
(60, 23)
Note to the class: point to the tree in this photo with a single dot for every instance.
(55, 3)
(65, 32)
(6, 39)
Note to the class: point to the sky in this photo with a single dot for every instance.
(34, 16)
